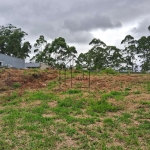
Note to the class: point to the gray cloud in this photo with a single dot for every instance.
(141, 29)
(89, 23)
(72, 19)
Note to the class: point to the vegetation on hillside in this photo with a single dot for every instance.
(114, 114)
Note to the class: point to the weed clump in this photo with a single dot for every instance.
(16, 85)
(74, 91)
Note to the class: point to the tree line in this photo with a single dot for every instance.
(134, 56)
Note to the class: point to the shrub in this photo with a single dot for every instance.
(16, 85)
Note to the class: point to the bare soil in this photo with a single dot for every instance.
(36, 79)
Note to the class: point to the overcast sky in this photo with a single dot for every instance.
(78, 21)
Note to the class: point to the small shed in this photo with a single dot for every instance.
(11, 62)
(42, 66)
(32, 65)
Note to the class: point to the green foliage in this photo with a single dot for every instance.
(2, 70)
(52, 84)
(114, 94)
(137, 92)
(102, 106)
(100, 56)
(126, 118)
(86, 121)
(4, 145)
(143, 47)
(71, 102)
(11, 42)
(16, 85)
(13, 96)
(70, 131)
(55, 53)
(108, 122)
(145, 125)
(145, 102)
(74, 91)
(39, 95)
(148, 87)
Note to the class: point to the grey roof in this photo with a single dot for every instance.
(32, 65)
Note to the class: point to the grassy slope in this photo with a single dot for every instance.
(76, 119)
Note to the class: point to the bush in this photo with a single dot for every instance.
(16, 85)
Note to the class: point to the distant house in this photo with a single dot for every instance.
(11, 62)
(36, 65)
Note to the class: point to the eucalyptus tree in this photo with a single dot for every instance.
(71, 52)
(59, 50)
(98, 54)
(149, 28)
(114, 58)
(55, 53)
(84, 60)
(12, 42)
(40, 44)
(129, 52)
(44, 56)
(143, 46)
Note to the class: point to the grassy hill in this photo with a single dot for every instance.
(37, 111)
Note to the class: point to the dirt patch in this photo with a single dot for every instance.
(49, 115)
(138, 97)
(52, 104)
(68, 142)
(31, 104)
(108, 82)
(24, 79)
(10, 79)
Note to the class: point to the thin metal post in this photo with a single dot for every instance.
(83, 75)
(59, 78)
(71, 76)
(89, 78)
(65, 76)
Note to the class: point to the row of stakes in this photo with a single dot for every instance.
(81, 78)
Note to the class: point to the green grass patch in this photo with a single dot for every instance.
(40, 95)
(74, 91)
(52, 84)
(148, 87)
(102, 106)
(118, 95)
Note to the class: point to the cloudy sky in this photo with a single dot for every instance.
(78, 21)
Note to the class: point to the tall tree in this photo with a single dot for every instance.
(40, 44)
(114, 57)
(143, 46)
(55, 53)
(129, 51)
(149, 28)
(84, 60)
(11, 42)
(98, 54)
